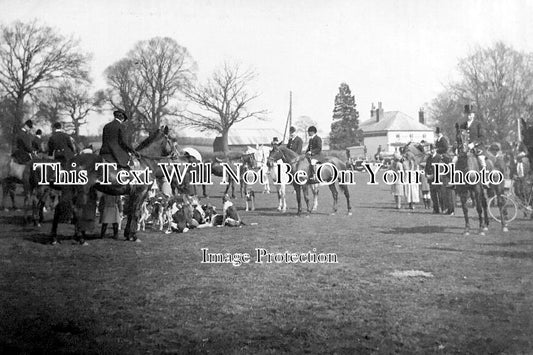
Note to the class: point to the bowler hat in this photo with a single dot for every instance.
(311, 129)
(292, 130)
(120, 114)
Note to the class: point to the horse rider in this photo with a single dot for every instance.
(275, 142)
(441, 142)
(314, 149)
(295, 143)
(24, 144)
(114, 146)
(476, 134)
(38, 142)
(60, 145)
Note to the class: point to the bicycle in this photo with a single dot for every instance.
(512, 203)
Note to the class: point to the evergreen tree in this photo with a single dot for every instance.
(345, 127)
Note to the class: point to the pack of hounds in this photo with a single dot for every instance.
(182, 213)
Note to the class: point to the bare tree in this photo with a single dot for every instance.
(31, 57)
(148, 81)
(222, 102)
(499, 81)
(302, 123)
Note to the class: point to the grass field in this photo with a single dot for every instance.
(157, 297)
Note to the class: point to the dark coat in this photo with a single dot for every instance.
(23, 147)
(295, 144)
(114, 146)
(315, 146)
(476, 132)
(429, 169)
(442, 145)
(60, 146)
(37, 144)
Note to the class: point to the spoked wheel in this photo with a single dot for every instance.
(510, 210)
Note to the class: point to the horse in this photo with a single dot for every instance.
(231, 163)
(157, 148)
(35, 195)
(527, 139)
(261, 153)
(266, 169)
(301, 163)
(466, 161)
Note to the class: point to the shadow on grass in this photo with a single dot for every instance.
(418, 230)
(508, 254)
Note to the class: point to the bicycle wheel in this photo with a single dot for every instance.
(510, 210)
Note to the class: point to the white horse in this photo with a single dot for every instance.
(261, 158)
(261, 154)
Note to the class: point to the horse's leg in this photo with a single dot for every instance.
(485, 208)
(266, 187)
(335, 195)
(283, 189)
(314, 191)
(55, 224)
(305, 188)
(479, 207)
(344, 188)
(503, 215)
(464, 194)
(233, 189)
(204, 190)
(297, 188)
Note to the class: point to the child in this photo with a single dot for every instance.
(424, 186)
(110, 208)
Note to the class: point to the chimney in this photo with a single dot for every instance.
(421, 118)
(372, 111)
(379, 112)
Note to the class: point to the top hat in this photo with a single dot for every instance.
(275, 140)
(437, 130)
(470, 109)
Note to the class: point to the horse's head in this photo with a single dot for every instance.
(249, 160)
(158, 143)
(461, 138)
(275, 154)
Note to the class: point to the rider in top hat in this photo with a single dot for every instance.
(476, 133)
(24, 144)
(60, 145)
(275, 142)
(295, 143)
(314, 149)
(114, 147)
(441, 143)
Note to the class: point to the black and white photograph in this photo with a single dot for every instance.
(245, 176)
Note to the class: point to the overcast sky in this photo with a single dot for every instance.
(397, 52)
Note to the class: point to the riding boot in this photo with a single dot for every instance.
(103, 230)
(115, 230)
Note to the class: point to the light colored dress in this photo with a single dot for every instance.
(397, 188)
(411, 189)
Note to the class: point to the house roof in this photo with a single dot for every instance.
(393, 121)
(253, 136)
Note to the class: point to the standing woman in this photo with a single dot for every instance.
(397, 188)
(411, 188)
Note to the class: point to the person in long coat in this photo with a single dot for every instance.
(411, 188)
(114, 146)
(295, 143)
(60, 145)
(24, 144)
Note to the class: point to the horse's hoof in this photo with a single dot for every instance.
(466, 234)
(485, 229)
(505, 229)
(137, 240)
(55, 242)
(84, 243)
(350, 213)
(333, 213)
(482, 233)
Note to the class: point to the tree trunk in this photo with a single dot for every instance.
(18, 118)
(225, 146)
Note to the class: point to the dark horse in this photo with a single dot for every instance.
(301, 163)
(468, 161)
(157, 148)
